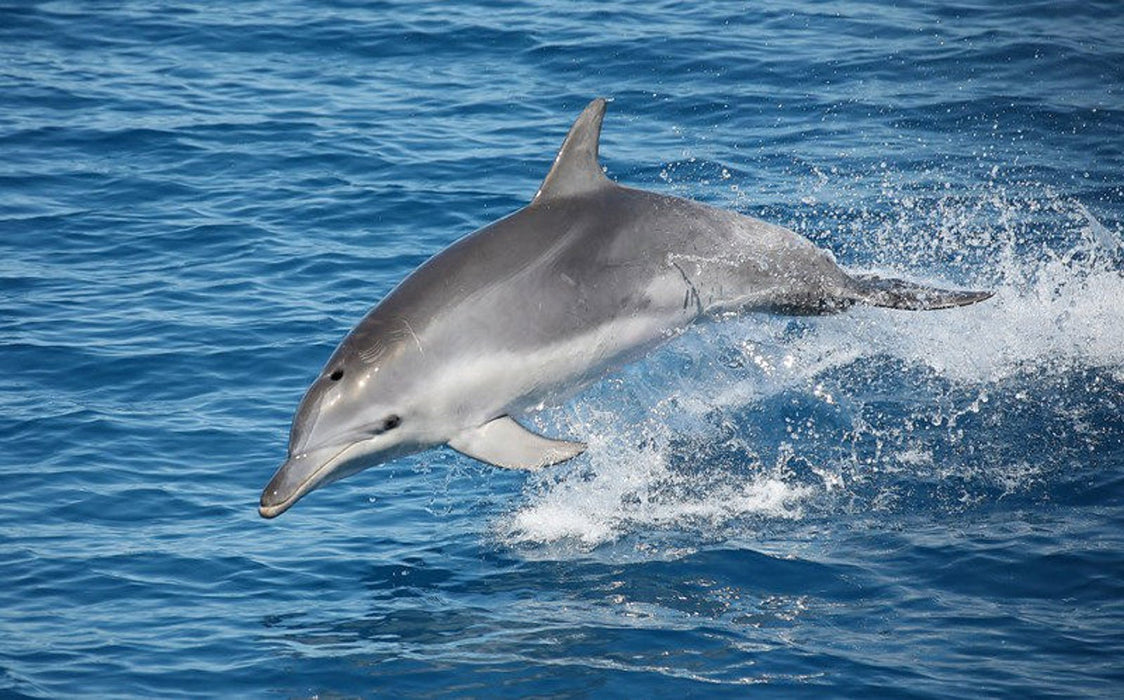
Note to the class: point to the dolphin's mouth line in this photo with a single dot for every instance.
(303, 487)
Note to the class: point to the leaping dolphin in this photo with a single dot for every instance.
(586, 277)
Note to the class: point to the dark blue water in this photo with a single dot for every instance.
(197, 201)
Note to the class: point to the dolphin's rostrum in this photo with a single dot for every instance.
(587, 276)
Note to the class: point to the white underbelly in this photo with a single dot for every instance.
(479, 386)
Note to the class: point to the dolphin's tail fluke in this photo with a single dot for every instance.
(901, 294)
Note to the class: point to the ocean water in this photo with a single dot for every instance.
(198, 200)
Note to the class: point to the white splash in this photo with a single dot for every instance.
(629, 483)
(655, 461)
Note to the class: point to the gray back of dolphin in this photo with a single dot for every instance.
(587, 276)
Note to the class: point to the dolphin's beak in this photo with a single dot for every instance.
(298, 475)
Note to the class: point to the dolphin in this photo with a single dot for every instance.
(585, 278)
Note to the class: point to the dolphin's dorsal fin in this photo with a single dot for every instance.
(576, 169)
(505, 443)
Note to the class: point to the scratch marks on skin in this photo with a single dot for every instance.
(372, 354)
(395, 337)
(691, 295)
(410, 330)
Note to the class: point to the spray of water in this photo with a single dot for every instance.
(771, 419)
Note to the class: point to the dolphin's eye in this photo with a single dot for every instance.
(336, 376)
(391, 422)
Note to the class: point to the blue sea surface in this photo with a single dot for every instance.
(199, 199)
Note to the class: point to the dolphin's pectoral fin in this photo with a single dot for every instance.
(504, 443)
